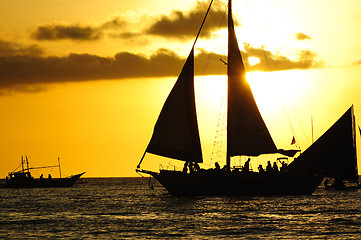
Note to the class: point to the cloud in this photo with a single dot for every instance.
(35, 68)
(53, 32)
(14, 49)
(268, 61)
(125, 35)
(272, 62)
(175, 25)
(301, 36)
(114, 23)
(186, 25)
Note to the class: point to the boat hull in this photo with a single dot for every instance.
(226, 183)
(42, 183)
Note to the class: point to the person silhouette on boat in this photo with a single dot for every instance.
(41, 176)
(269, 167)
(216, 164)
(275, 167)
(284, 166)
(246, 166)
(260, 168)
(185, 167)
(193, 167)
(49, 176)
(190, 166)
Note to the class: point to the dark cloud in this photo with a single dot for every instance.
(186, 25)
(34, 68)
(125, 35)
(13, 49)
(177, 24)
(302, 36)
(53, 32)
(27, 69)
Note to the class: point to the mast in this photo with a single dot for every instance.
(230, 22)
(354, 142)
(22, 163)
(59, 167)
(27, 163)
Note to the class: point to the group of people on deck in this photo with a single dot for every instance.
(274, 168)
(42, 176)
(194, 167)
(269, 167)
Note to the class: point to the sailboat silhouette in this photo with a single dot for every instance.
(176, 136)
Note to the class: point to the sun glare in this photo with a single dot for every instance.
(253, 61)
(272, 90)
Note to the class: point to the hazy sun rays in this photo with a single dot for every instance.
(280, 98)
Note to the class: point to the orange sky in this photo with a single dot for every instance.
(85, 81)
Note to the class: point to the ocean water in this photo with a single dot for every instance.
(126, 208)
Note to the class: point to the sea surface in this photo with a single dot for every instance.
(126, 208)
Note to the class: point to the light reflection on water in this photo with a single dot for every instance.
(126, 208)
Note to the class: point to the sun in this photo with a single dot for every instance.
(253, 60)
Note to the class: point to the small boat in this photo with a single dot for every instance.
(176, 136)
(339, 184)
(24, 179)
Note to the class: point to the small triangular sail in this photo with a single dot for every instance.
(334, 153)
(176, 133)
(247, 134)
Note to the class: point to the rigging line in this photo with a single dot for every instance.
(220, 133)
(218, 139)
(311, 123)
(303, 130)
(141, 160)
(222, 23)
(300, 124)
(204, 19)
(44, 167)
(17, 167)
(276, 68)
(290, 122)
(149, 182)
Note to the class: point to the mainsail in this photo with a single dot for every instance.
(176, 133)
(247, 133)
(334, 153)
